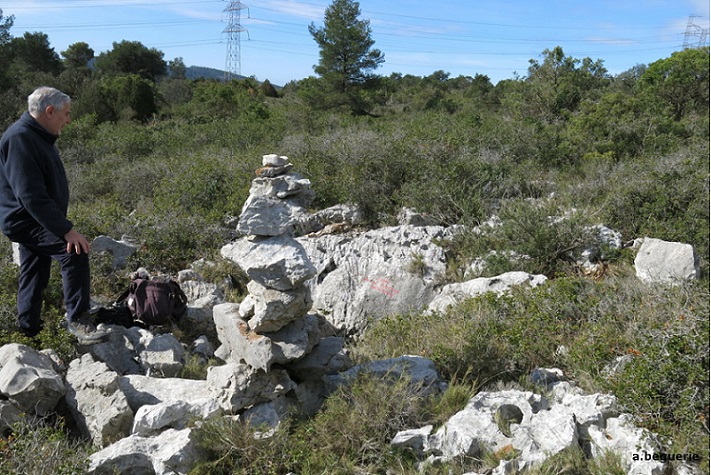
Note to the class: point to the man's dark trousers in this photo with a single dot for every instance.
(38, 247)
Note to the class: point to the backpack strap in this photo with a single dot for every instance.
(131, 287)
(122, 298)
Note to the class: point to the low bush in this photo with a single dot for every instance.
(350, 435)
(538, 237)
(40, 447)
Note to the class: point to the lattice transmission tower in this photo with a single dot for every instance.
(233, 15)
(695, 36)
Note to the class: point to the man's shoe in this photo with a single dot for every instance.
(86, 331)
(29, 332)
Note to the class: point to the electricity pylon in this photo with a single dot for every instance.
(233, 15)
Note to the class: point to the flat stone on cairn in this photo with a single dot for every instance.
(273, 165)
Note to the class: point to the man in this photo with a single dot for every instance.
(34, 198)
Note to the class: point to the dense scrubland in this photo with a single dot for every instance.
(169, 161)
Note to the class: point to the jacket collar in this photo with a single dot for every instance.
(34, 125)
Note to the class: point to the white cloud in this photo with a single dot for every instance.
(297, 9)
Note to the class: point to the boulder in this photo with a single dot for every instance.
(207, 293)
(203, 347)
(96, 401)
(120, 250)
(494, 420)
(421, 374)
(292, 188)
(272, 171)
(327, 357)
(268, 216)
(143, 390)
(202, 296)
(310, 396)
(452, 294)
(9, 415)
(198, 319)
(274, 160)
(413, 439)
(666, 262)
(605, 236)
(168, 453)
(279, 262)
(118, 351)
(373, 274)
(270, 309)
(267, 416)
(28, 379)
(153, 419)
(533, 427)
(410, 217)
(162, 355)
(620, 435)
(261, 351)
(136, 350)
(276, 203)
(546, 377)
(340, 213)
(237, 386)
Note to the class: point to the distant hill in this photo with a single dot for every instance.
(197, 72)
(201, 72)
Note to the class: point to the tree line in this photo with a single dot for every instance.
(134, 82)
(451, 146)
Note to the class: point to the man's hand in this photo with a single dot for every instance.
(76, 242)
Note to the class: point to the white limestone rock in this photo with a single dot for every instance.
(279, 262)
(29, 380)
(666, 262)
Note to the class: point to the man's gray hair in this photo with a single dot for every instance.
(43, 97)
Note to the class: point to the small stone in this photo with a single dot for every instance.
(274, 160)
(270, 171)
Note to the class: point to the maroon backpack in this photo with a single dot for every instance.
(155, 302)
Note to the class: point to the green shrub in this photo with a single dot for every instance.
(172, 241)
(231, 446)
(666, 200)
(196, 367)
(204, 186)
(42, 448)
(538, 237)
(573, 461)
(213, 100)
(351, 434)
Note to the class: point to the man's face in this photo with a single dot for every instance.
(57, 118)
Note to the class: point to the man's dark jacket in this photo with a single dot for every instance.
(33, 183)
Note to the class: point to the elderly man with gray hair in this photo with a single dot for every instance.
(34, 198)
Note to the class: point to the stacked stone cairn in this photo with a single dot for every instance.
(270, 338)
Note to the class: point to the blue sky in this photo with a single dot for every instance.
(461, 37)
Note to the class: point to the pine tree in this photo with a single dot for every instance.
(346, 57)
(5, 53)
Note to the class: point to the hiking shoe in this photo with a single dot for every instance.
(86, 332)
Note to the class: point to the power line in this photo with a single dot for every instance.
(102, 26)
(370, 14)
(492, 38)
(123, 4)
